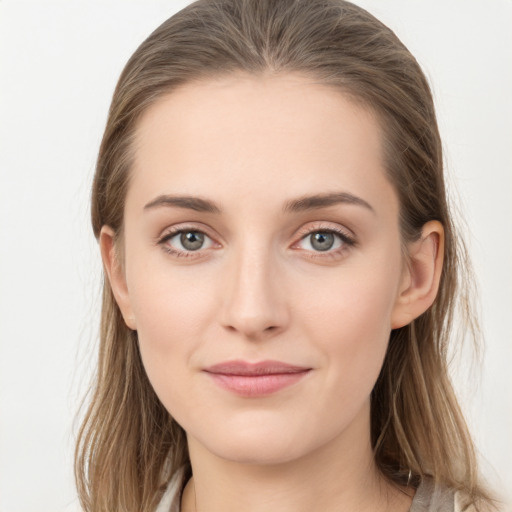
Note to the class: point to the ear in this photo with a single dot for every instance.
(115, 273)
(421, 275)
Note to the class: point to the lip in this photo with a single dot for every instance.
(255, 379)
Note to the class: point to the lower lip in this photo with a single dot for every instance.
(257, 385)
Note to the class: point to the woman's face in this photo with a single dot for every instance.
(260, 228)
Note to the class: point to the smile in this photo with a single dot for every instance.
(255, 379)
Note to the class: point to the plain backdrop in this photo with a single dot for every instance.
(59, 62)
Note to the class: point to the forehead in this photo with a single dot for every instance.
(266, 135)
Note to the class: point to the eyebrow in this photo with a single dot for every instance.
(189, 202)
(300, 204)
(323, 201)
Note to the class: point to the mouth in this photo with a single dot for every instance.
(255, 379)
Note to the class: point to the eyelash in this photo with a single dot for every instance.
(176, 231)
(347, 242)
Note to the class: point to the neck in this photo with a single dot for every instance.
(340, 475)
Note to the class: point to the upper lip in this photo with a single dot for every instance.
(245, 368)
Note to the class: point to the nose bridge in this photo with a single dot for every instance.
(254, 304)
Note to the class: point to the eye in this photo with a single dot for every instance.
(321, 241)
(185, 241)
(191, 240)
(330, 241)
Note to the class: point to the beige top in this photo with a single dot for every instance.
(428, 498)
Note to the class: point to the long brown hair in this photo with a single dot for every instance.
(129, 446)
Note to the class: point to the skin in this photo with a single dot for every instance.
(259, 289)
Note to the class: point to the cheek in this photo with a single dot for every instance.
(169, 302)
(172, 308)
(350, 319)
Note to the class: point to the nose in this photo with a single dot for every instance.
(254, 301)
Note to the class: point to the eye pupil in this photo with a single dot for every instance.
(322, 241)
(192, 240)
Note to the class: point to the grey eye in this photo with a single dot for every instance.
(322, 241)
(192, 240)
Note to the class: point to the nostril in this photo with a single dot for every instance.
(252, 331)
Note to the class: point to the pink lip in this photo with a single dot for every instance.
(255, 379)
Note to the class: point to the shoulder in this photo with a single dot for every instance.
(431, 497)
(461, 503)
(464, 504)
(170, 501)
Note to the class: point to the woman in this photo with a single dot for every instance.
(281, 273)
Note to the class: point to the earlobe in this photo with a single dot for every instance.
(420, 281)
(115, 273)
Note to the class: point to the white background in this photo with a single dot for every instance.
(59, 61)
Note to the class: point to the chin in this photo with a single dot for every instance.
(257, 444)
(257, 452)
